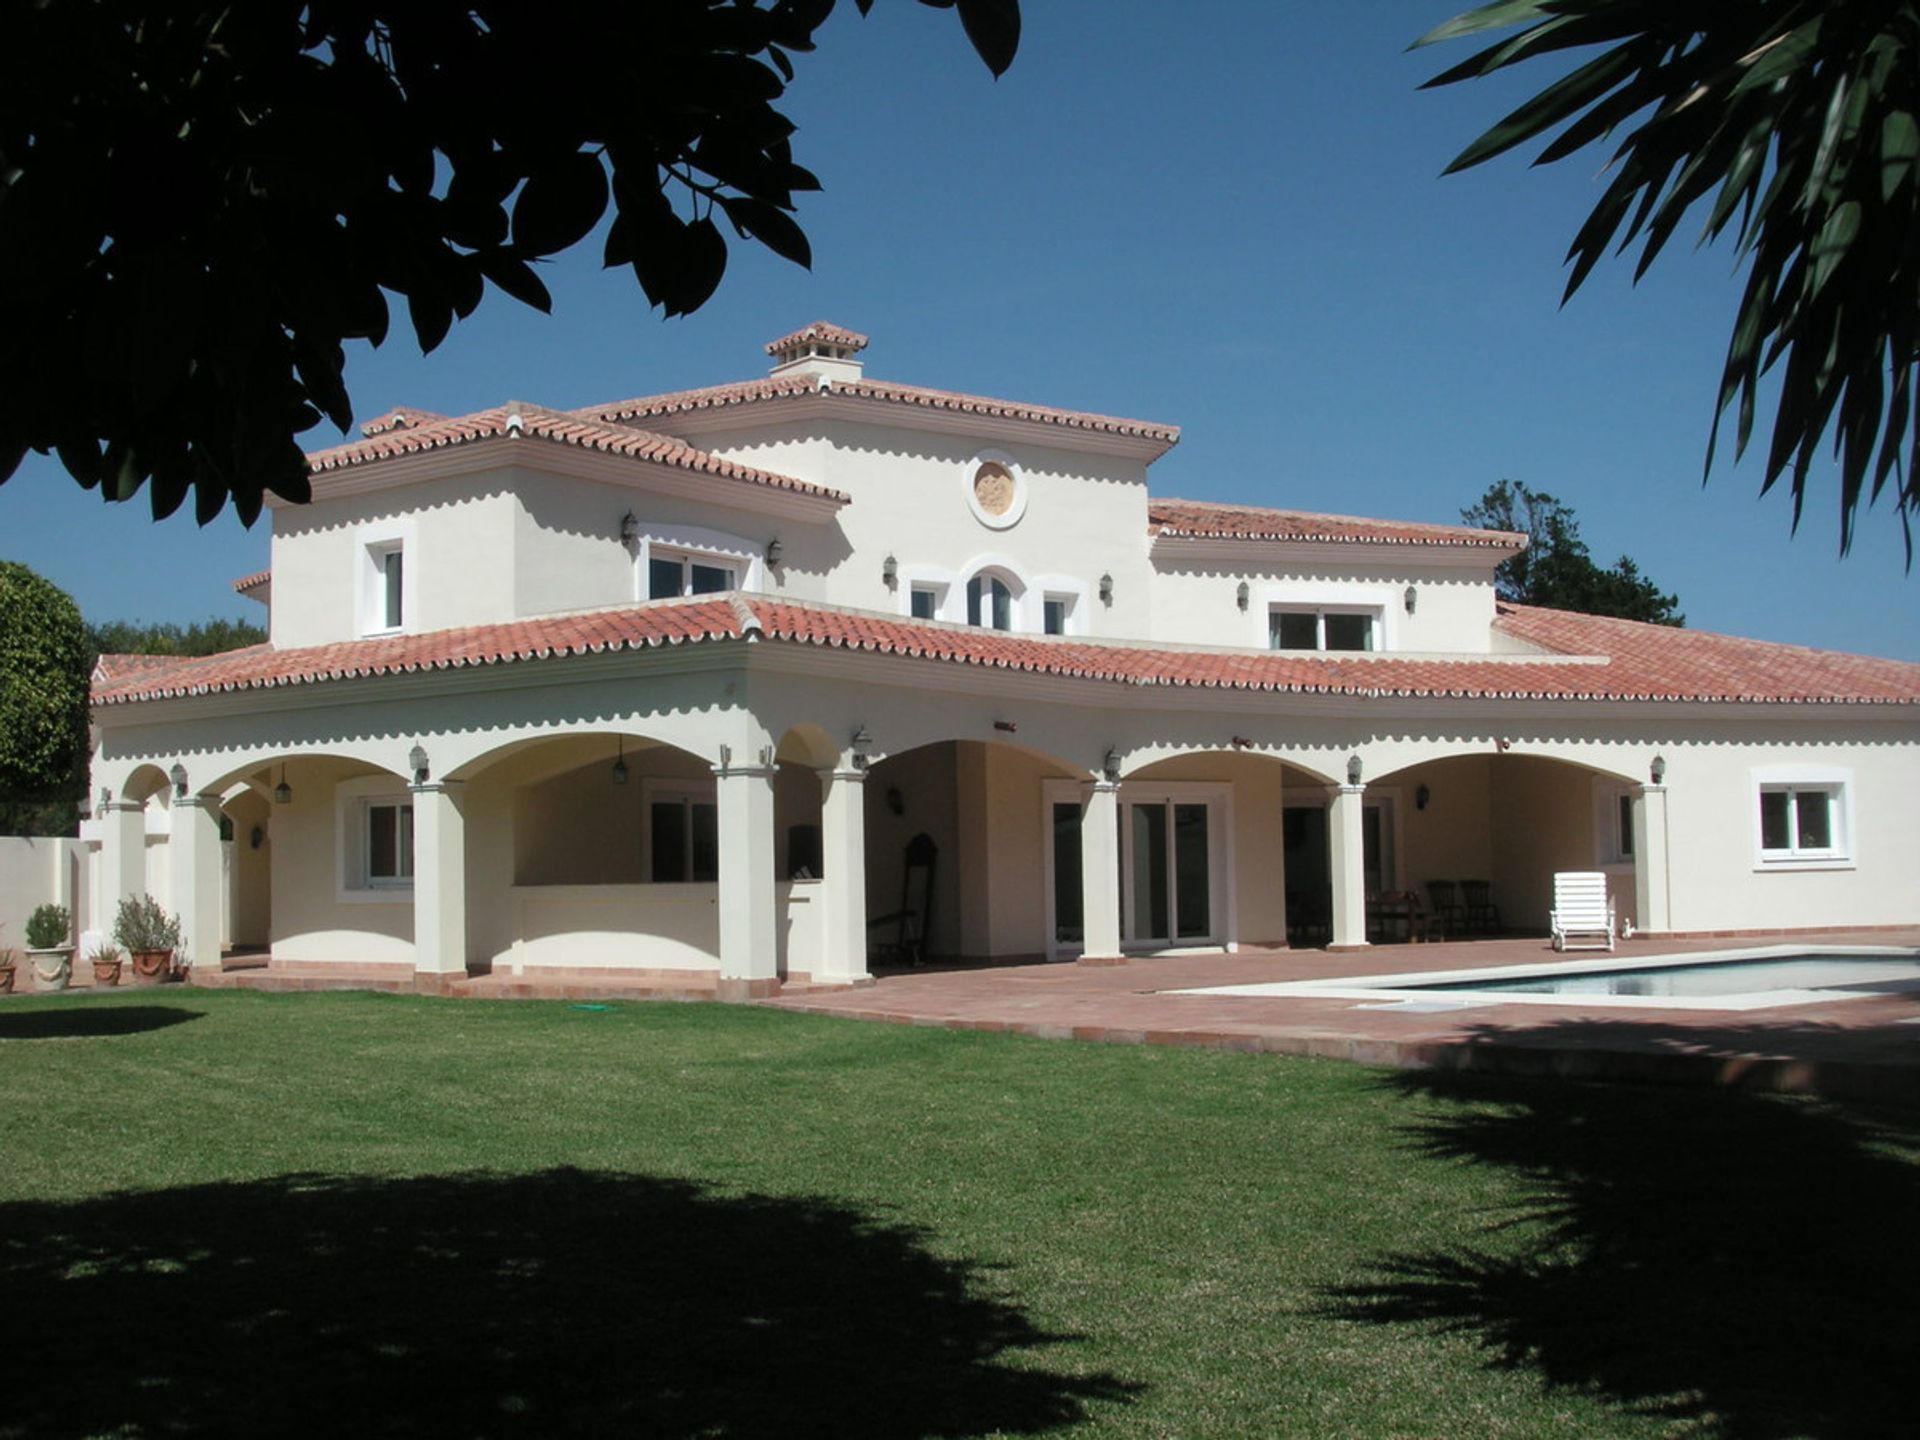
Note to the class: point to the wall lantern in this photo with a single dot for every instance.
(178, 774)
(1409, 598)
(1421, 797)
(283, 792)
(890, 571)
(774, 549)
(1241, 742)
(620, 761)
(1658, 770)
(1243, 593)
(106, 799)
(629, 528)
(1353, 770)
(862, 747)
(1110, 765)
(417, 762)
(1106, 589)
(1008, 726)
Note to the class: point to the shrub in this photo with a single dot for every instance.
(48, 927)
(142, 925)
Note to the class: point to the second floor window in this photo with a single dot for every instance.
(669, 575)
(989, 602)
(925, 602)
(1322, 629)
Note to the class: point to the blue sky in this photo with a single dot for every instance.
(1227, 216)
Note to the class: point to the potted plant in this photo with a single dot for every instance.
(106, 965)
(50, 943)
(150, 936)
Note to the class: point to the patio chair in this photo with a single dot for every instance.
(1482, 915)
(912, 922)
(1582, 916)
(1444, 898)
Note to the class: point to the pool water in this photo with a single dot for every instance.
(1726, 977)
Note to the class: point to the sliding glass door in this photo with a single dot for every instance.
(1167, 873)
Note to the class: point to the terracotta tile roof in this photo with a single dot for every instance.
(556, 426)
(401, 417)
(118, 668)
(746, 392)
(252, 582)
(669, 622)
(1203, 519)
(1642, 662)
(819, 330)
(1699, 665)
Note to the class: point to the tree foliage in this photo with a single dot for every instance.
(201, 637)
(201, 202)
(1556, 569)
(43, 694)
(1792, 123)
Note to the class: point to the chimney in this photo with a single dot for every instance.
(825, 351)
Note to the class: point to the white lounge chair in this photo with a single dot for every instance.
(1582, 916)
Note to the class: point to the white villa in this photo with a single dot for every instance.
(728, 681)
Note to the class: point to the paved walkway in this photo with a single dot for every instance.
(1865, 1048)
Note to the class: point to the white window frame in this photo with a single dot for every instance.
(401, 805)
(373, 543)
(1018, 599)
(1060, 587)
(696, 544)
(1382, 603)
(692, 792)
(936, 593)
(1612, 831)
(1836, 782)
(1376, 628)
(353, 803)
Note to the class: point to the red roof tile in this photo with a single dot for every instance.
(252, 582)
(819, 330)
(717, 397)
(536, 422)
(669, 622)
(1203, 519)
(1643, 662)
(401, 417)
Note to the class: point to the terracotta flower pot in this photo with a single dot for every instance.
(152, 967)
(106, 972)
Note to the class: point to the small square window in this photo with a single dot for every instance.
(1303, 628)
(923, 601)
(1055, 614)
(1294, 630)
(1348, 632)
(389, 832)
(1803, 821)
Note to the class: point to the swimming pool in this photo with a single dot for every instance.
(1723, 980)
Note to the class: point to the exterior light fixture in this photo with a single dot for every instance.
(1421, 796)
(774, 549)
(1241, 742)
(1106, 589)
(417, 762)
(862, 747)
(629, 528)
(106, 799)
(1409, 598)
(1242, 593)
(1110, 765)
(283, 792)
(1658, 770)
(1353, 770)
(178, 774)
(1008, 726)
(890, 571)
(620, 762)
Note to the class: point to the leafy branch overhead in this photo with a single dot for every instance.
(200, 203)
(1792, 124)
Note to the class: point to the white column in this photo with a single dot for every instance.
(843, 858)
(1100, 871)
(749, 944)
(439, 883)
(1652, 902)
(1347, 864)
(193, 864)
(123, 858)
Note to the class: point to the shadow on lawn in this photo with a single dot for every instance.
(1740, 1262)
(91, 1021)
(558, 1303)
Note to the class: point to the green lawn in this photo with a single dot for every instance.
(249, 1214)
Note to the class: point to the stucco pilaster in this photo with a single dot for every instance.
(194, 878)
(749, 948)
(843, 846)
(439, 880)
(123, 857)
(1100, 870)
(1347, 865)
(1652, 872)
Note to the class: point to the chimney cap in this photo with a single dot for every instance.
(834, 342)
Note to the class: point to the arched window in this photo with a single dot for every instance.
(989, 602)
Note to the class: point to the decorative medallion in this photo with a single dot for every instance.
(993, 488)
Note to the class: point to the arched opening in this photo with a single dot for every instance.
(959, 849)
(994, 597)
(1478, 838)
